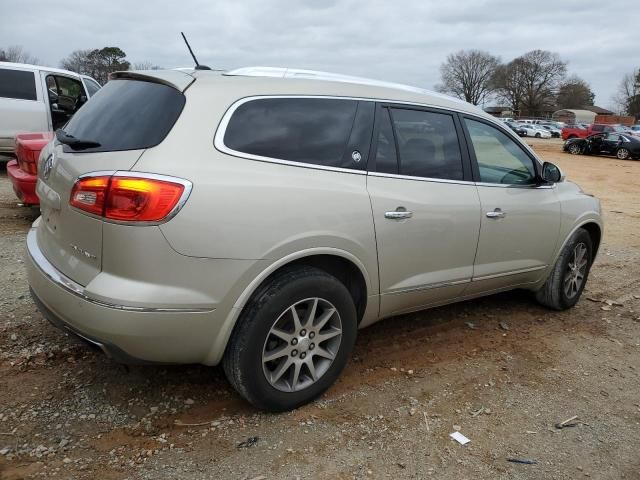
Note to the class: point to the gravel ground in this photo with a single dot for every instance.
(501, 370)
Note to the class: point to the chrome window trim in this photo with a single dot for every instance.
(188, 187)
(458, 182)
(64, 282)
(218, 140)
(420, 179)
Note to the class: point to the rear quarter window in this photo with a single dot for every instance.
(127, 115)
(307, 130)
(17, 84)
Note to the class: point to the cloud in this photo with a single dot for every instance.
(396, 41)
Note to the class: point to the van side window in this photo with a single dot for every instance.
(500, 159)
(427, 144)
(17, 84)
(307, 130)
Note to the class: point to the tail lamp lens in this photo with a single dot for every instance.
(131, 199)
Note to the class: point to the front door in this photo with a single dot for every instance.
(426, 210)
(520, 217)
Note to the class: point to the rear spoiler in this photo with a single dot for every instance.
(177, 79)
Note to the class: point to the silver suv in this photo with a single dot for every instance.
(259, 217)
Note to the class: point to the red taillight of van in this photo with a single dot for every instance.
(128, 199)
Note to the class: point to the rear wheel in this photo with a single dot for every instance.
(292, 340)
(623, 153)
(538, 135)
(569, 275)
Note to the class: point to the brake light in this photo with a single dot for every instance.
(131, 199)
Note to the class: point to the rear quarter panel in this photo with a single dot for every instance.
(253, 210)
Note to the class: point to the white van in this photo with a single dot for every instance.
(38, 99)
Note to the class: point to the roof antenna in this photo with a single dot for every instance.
(198, 66)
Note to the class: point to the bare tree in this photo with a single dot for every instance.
(628, 90)
(78, 61)
(145, 65)
(531, 82)
(17, 54)
(468, 74)
(509, 84)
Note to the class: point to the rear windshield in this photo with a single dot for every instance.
(127, 115)
(17, 84)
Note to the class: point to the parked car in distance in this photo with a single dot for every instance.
(622, 146)
(583, 131)
(555, 132)
(517, 127)
(22, 172)
(303, 207)
(38, 99)
(531, 130)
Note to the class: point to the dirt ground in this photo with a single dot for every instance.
(502, 370)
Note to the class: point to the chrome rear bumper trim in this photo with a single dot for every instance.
(76, 289)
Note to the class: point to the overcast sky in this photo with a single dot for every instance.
(388, 40)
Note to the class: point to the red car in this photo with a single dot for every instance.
(578, 131)
(23, 172)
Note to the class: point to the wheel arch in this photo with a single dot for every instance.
(593, 228)
(343, 265)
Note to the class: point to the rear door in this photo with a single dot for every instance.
(125, 118)
(520, 218)
(426, 210)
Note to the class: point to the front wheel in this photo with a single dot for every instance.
(292, 340)
(623, 153)
(569, 275)
(538, 135)
(574, 149)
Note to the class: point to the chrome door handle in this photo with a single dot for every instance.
(497, 213)
(398, 214)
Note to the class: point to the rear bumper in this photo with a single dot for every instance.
(126, 334)
(24, 184)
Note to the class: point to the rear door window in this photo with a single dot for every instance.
(308, 130)
(428, 144)
(127, 115)
(17, 84)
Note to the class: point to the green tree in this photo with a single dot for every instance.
(575, 93)
(98, 63)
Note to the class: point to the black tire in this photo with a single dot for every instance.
(553, 294)
(538, 135)
(243, 357)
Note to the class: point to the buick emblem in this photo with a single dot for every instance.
(47, 166)
(356, 156)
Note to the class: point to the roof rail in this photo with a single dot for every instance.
(283, 72)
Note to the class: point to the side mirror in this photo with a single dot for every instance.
(551, 173)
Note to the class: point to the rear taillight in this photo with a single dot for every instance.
(29, 167)
(130, 199)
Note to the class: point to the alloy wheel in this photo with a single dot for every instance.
(622, 153)
(574, 149)
(576, 271)
(302, 344)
